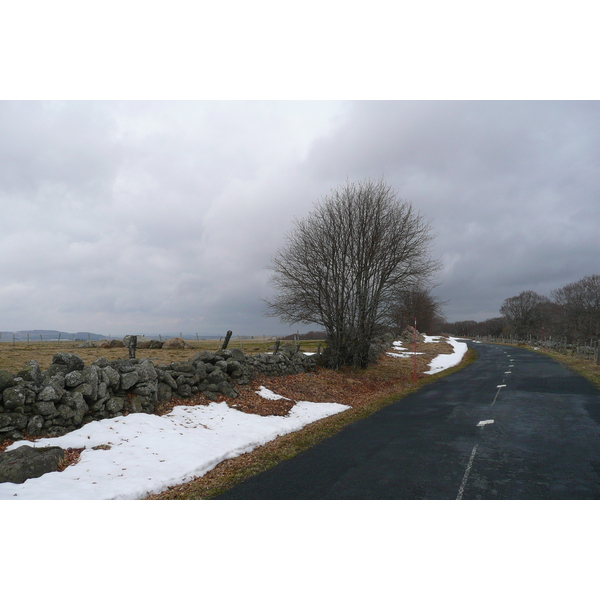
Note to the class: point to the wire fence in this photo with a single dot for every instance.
(246, 343)
(588, 349)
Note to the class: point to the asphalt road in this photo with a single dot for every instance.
(513, 425)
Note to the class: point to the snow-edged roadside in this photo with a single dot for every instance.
(147, 453)
(441, 361)
(445, 361)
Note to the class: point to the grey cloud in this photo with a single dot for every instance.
(163, 215)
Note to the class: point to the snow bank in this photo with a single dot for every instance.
(445, 361)
(147, 453)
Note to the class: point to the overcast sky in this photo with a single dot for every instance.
(147, 217)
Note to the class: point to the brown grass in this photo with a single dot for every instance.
(14, 356)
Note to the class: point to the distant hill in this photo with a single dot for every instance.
(49, 334)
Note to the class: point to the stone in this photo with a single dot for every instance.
(128, 380)
(176, 343)
(49, 394)
(237, 354)
(185, 390)
(65, 412)
(56, 370)
(205, 356)
(216, 376)
(168, 379)
(6, 380)
(146, 372)
(12, 421)
(164, 392)
(101, 363)
(133, 404)
(25, 462)
(46, 409)
(71, 361)
(14, 398)
(115, 404)
(114, 379)
(79, 406)
(89, 344)
(35, 424)
(31, 372)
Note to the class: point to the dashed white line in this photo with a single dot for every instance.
(461, 489)
(484, 423)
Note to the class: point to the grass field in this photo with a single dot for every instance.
(14, 356)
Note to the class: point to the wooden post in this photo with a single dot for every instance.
(226, 340)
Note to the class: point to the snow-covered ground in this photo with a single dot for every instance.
(133, 456)
(445, 361)
(142, 454)
(440, 362)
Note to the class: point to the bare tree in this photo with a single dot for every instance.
(580, 307)
(524, 313)
(345, 264)
(418, 303)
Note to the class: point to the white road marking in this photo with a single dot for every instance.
(461, 489)
(496, 396)
(484, 423)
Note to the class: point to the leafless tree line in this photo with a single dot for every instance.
(571, 313)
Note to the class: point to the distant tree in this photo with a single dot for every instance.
(345, 265)
(579, 305)
(524, 313)
(419, 303)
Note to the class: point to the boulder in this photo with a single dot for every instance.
(6, 380)
(175, 343)
(71, 361)
(31, 372)
(15, 398)
(25, 462)
(89, 344)
(12, 422)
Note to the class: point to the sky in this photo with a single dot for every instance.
(147, 183)
(162, 216)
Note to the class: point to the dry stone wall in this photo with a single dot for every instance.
(70, 394)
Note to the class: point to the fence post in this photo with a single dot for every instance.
(132, 346)
(226, 340)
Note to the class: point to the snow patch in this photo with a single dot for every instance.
(446, 361)
(149, 453)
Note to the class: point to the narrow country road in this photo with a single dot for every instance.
(513, 425)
